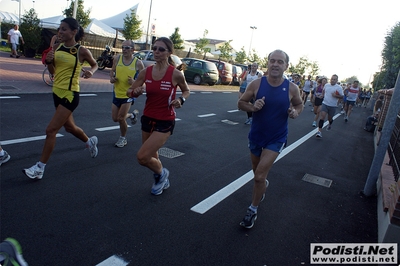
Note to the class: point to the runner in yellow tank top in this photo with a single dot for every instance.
(65, 62)
(124, 70)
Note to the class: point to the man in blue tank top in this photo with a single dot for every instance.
(275, 99)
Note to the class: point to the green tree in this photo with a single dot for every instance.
(386, 79)
(201, 45)
(131, 30)
(31, 30)
(254, 57)
(177, 39)
(226, 50)
(241, 56)
(82, 17)
(303, 66)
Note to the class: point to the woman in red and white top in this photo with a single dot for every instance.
(158, 119)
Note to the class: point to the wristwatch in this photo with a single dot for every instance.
(182, 100)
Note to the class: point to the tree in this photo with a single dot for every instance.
(201, 45)
(132, 29)
(304, 66)
(386, 78)
(241, 56)
(226, 50)
(253, 57)
(177, 39)
(82, 17)
(31, 30)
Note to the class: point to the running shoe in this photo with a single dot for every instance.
(11, 250)
(121, 142)
(160, 182)
(314, 124)
(247, 122)
(34, 172)
(249, 219)
(329, 127)
(346, 118)
(5, 158)
(134, 116)
(266, 186)
(319, 134)
(93, 146)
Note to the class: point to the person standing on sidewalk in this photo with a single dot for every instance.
(332, 93)
(276, 99)
(158, 119)
(65, 61)
(124, 70)
(13, 37)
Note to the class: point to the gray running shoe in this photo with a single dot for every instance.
(121, 142)
(328, 127)
(34, 172)
(93, 146)
(249, 219)
(135, 114)
(160, 182)
(11, 250)
(5, 158)
(319, 134)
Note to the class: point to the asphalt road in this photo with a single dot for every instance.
(86, 210)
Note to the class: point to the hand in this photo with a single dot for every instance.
(50, 56)
(86, 73)
(176, 103)
(259, 103)
(293, 113)
(136, 92)
(130, 80)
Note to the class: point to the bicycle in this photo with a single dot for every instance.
(47, 77)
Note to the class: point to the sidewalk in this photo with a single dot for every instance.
(24, 75)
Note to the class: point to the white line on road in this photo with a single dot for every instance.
(87, 95)
(9, 97)
(101, 129)
(113, 261)
(206, 115)
(14, 141)
(233, 111)
(223, 193)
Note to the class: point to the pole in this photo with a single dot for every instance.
(19, 11)
(75, 9)
(251, 39)
(391, 116)
(148, 24)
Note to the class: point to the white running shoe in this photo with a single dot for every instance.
(135, 114)
(121, 142)
(34, 172)
(93, 146)
(5, 158)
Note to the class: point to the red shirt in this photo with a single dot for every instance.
(159, 95)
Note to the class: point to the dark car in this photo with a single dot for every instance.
(147, 57)
(236, 73)
(225, 71)
(200, 71)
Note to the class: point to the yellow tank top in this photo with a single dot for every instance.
(122, 72)
(67, 70)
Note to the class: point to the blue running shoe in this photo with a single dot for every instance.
(11, 250)
(160, 182)
(249, 219)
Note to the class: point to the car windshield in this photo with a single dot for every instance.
(211, 66)
(140, 55)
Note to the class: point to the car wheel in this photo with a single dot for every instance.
(197, 80)
(211, 83)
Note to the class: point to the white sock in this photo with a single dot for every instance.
(41, 165)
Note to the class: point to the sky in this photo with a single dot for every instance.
(345, 37)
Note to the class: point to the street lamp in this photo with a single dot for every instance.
(251, 39)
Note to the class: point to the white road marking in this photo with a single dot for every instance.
(9, 97)
(87, 95)
(223, 193)
(113, 261)
(233, 111)
(206, 92)
(229, 122)
(101, 129)
(206, 115)
(14, 141)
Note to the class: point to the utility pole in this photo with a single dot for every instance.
(251, 39)
(148, 24)
(75, 9)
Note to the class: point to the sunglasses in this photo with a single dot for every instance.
(160, 49)
(126, 47)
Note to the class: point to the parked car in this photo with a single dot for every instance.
(236, 72)
(147, 57)
(200, 71)
(243, 66)
(225, 71)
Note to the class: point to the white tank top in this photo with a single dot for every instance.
(250, 78)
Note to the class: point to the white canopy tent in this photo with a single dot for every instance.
(117, 21)
(8, 17)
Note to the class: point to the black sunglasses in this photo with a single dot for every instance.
(160, 49)
(126, 47)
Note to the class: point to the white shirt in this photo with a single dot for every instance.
(307, 84)
(352, 94)
(250, 78)
(329, 100)
(14, 36)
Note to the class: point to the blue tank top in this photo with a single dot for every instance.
(270, 124)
